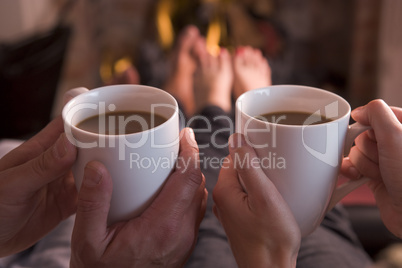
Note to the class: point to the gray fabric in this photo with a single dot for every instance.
(53, 251)
(212, 249)
(333, 244)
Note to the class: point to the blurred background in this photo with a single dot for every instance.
(351, 47)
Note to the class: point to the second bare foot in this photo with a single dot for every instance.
(251, 70)
(183, 65)
(213, 81)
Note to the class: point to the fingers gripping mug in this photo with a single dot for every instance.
(134, 131)
(300, 135)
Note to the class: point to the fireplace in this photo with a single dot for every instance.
(331, 44)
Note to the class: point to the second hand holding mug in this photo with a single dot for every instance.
(302, 160)
(139, 163)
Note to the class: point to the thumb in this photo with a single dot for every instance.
(93, 204)
(251, 176)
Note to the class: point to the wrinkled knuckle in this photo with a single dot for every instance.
(88, 206)
(39, 166)
(171, 235)
(171, 229)
(377, 103)
(194, 176)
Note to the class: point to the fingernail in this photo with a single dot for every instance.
(357, 110)
(236, 141)
(191, 137)
(92, 176)
(353, 173)
(191, 133)
(239, 50)
(60, 148)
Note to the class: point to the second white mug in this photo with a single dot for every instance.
(303, 161)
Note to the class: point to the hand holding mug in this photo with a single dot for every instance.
(119, 126)
(162, 236)
(300, 135)
(378, 155)
(37, 189)
(261, 229)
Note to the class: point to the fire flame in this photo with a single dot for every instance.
(164, 23)
(108, 69)
(166, 31)
(213, 37)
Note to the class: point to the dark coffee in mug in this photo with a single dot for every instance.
(293, 118)
(121, 122)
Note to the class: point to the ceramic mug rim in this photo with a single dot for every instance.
(124, 87)
(335, 97)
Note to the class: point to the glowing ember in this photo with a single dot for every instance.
(213, 38)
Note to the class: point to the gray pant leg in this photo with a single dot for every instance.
(334, 244)
(52, 251)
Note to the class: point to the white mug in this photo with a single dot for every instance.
(303, 161)
(139, 163)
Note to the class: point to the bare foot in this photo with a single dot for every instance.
(183, 65)
(213, 80)
(128, 76)
(251, 70)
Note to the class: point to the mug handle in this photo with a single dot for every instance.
(72, 93)
(341, 191)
